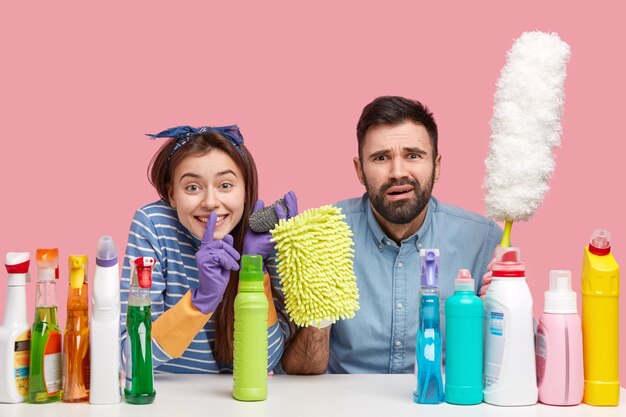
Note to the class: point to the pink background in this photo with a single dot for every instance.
(81, 85)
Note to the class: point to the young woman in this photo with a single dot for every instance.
(197, 231)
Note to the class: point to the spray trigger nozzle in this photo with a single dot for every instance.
(144, 267)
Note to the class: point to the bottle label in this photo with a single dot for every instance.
(494, 345)
(52, 361)
(21, 362)
(541, 353)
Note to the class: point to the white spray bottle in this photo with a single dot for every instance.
(15, 332)
(105, 385)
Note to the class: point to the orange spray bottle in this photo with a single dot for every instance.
(76, 337)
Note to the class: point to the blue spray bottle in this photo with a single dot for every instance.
(428, 343)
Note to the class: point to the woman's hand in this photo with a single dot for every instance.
(215, 259)
(259, 243)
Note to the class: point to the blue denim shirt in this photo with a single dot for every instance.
(381, 337)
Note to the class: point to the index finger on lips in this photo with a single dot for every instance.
(207, 237)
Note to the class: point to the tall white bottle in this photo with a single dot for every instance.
(15, 332)
(105, 385)
(510, 374)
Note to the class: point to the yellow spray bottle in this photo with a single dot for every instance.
(600, 315)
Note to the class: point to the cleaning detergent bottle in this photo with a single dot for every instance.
(15, 332)
(510, 375)
(76, 337)
(250, 333)
(45, 348)
(428, 339)
(464, 343)
(139, 374)
(559, 344)
(105, 326)
(600, 311)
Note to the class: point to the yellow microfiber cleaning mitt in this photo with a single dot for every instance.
(315, 262)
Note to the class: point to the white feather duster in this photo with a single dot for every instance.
(526, 125)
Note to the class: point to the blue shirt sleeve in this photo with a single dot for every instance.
(143, 241)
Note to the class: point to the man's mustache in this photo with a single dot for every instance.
(396, 183)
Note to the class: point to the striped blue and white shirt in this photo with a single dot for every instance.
(156, 231)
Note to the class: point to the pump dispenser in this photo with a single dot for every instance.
(45, 350)
(559, 344)
(105, 326)
(510, 375)
(76, 358)
(15, 332)
(250, 334)
(428, 344)
(464, 343)
(600, 318)
(139, 374)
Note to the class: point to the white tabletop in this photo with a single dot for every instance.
(298, 396)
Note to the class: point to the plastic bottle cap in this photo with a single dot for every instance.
(143, 266)
(17, 264)
(600, 242)
(464, 281)
(429, 262)
(47, 264)
(106, 254)
(560, 298)
(251, 268)
(508, 263)
(78, 270)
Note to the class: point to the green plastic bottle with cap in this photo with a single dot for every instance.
(250, 336)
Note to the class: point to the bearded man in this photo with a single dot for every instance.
(398, 163)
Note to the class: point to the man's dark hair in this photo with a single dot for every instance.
(394, 110)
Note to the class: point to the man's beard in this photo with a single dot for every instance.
(401, 211)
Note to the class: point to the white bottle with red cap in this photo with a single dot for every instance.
(510, 376)
(15, 332)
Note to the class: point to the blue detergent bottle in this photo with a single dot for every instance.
(428, 344)
(464, 343)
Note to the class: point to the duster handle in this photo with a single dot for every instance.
(506, 235)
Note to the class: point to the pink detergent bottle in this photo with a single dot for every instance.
(559, 344)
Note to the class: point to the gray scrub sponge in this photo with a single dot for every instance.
(265, 219)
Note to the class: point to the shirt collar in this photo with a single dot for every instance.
(379, 236)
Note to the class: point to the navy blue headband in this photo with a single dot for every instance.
(183, 134)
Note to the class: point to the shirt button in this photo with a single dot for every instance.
(398, 306)
(400, 264)
(380, 247)
(398, 343)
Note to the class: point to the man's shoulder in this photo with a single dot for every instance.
(450, 212)
(353, 206)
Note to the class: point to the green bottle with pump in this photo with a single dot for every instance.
(139, 387)
(250, 336)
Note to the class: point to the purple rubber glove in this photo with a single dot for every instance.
(259, 243)
(215, 259)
